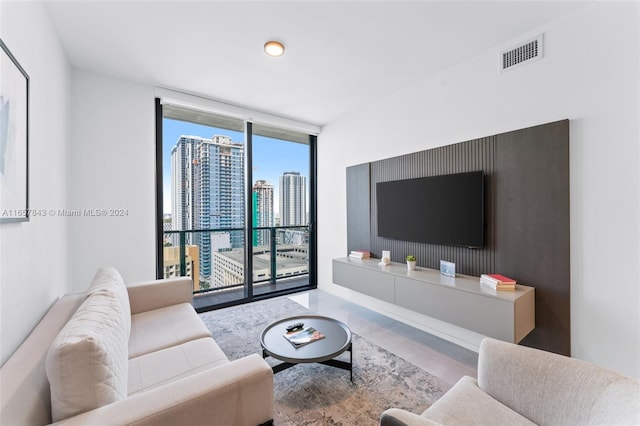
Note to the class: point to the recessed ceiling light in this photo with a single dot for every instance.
(274, 48)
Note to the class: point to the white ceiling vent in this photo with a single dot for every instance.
(522, 54)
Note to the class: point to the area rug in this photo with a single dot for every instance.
(316, 394)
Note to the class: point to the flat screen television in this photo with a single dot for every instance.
(445, 209)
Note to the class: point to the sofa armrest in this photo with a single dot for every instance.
(399, 417)
(237, 393)
(149, 295)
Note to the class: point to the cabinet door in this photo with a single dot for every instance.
(489, 316)
(376, 284)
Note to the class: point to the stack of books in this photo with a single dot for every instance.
(360, 254)
(498, 282)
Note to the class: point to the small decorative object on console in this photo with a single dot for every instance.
(448, 268)
(411, 262)
(386, 258)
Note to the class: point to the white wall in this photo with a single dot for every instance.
(92, 147)
(589, 75)
(112, 166)
(34, 261)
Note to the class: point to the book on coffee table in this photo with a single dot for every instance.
(302, 337)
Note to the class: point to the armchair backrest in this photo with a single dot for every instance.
(551, 389)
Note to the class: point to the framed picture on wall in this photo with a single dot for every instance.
(14, 139)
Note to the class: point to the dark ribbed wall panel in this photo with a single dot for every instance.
(526, 217)
(468, 156)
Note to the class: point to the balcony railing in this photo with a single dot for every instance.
(215, 258)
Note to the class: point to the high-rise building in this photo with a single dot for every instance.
(183, 160)
(262, 212)
(208, 193)
(229, 266)
(293, 199)
(172, 267)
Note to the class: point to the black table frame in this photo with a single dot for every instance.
(331, 362)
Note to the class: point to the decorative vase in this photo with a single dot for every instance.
(411, 265)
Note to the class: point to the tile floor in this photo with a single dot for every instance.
(446, 360)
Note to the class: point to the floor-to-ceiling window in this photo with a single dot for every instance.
(281, 209)
(234, 196)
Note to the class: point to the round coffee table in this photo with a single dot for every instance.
(337, 340)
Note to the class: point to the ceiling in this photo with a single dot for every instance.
(340, 55)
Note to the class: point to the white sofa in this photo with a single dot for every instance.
(136, 354)
(518, 385)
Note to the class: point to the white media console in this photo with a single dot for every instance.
(463, 301)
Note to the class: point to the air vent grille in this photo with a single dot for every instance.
(524, 53)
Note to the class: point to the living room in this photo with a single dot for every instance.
(91, 143)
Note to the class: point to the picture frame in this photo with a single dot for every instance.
(448, 268)
(14, 138)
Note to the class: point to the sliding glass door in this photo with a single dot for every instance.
(234, 197)
(280, 212)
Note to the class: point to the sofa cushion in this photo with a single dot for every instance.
(109, 279)
(164, 366)
(163, 328)
(87, 363)
(466, 404)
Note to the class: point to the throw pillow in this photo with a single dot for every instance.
(109, 279)
(87, 363)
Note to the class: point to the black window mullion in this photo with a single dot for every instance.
(159, 194)
(313, 203)
(248, 211)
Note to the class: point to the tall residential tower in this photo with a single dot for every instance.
(208, 193)
(263, 214)
(293, 199)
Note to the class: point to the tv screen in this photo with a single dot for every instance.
(446, 209)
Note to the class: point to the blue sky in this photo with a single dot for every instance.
(271, 157)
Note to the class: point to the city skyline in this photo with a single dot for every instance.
(207, 192)
(272, 158)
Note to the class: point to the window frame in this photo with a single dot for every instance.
(278, 124)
